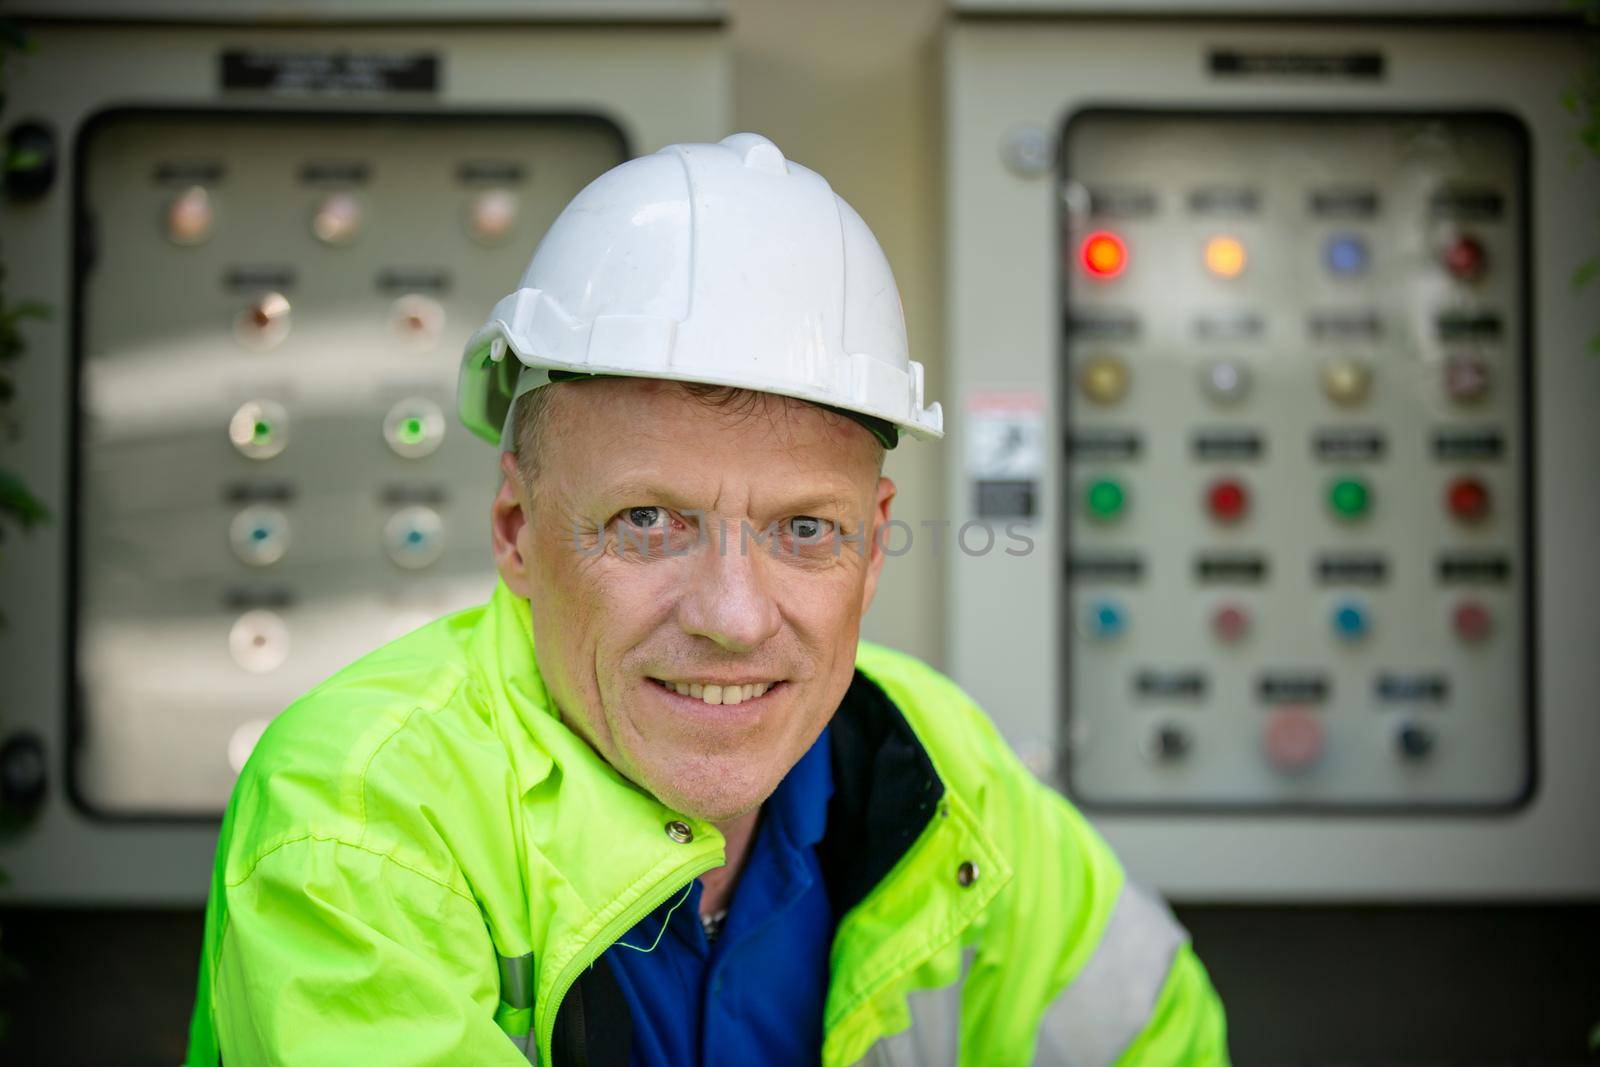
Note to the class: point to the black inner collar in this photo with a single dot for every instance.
(884, 792)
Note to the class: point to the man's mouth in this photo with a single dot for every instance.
(713, 693)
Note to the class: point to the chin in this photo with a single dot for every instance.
(718, 815)
(715, 795)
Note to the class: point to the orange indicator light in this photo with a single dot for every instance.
(1104, 254)
(1225, 257)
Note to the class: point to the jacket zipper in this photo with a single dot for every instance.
(607, 937)
(582, 1059)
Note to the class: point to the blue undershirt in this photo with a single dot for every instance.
(756, 993)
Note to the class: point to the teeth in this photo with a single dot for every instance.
(720, 694)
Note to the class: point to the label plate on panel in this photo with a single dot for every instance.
(303, 72)
(1005, 452)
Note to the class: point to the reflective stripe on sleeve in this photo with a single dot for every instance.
(1097, 1016)
(516, 991)
(516, 980)
(934, 1038)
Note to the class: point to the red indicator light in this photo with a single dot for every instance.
(1230, 623)
(1467, 499)
(1465, 259)
(1471, 620)
(1104, 255)
(1227, 500)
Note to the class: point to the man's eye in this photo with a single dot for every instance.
(645, 518)
(809, 528)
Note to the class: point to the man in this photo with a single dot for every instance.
(489, 841)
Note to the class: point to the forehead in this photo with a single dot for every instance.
(611, 422)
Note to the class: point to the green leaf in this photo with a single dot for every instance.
(32, 309)
(16, 501)
(1586, 272)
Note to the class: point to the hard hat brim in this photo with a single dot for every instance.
(490, 382)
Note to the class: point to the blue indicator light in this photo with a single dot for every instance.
(260, 533)
(414, 537)
(1346, 254)
(1349, 621)
(1105, 619)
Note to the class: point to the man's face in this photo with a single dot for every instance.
(637, 549)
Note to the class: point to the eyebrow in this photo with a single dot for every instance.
(803, 502)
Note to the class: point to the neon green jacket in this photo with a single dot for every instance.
(420, 862)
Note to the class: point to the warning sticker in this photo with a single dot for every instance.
(1005, 452)
(1005, 435)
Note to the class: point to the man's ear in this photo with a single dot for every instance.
(879, 531)
(508, 518)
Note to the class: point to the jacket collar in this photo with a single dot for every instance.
(897, 843)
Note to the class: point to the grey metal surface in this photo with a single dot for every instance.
(1441, 9)
(1004, 306)
(1402, 671)
(167, 685)
(421, 11)
(186, 645)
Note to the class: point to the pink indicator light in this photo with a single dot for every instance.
(1230, 623)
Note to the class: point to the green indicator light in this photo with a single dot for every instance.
(263, 429)
(1348, 498)
(411, 430)
(1104, 498)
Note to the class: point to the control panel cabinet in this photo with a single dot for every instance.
(272, 478)
(1268, 369)
(264, 239)
(1296, 491)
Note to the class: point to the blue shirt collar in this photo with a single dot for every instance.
(800, 803)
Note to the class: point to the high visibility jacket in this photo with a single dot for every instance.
(420, 863)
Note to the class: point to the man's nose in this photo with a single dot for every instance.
(728, 600)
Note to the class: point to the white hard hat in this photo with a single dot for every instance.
(725, 264)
